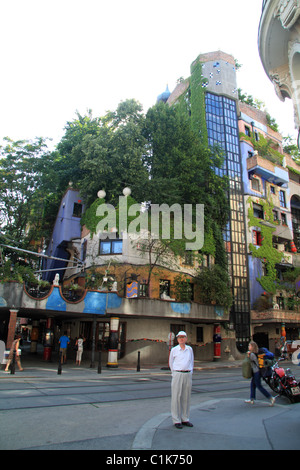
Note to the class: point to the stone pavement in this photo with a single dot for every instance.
(221, 423)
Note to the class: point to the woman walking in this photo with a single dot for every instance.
(14, 350)
(79, 344)
(256, 379)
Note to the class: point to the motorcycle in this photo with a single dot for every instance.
(283, 382)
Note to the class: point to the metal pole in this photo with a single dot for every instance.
(93, 343)
(13, 363)
(138, 367)
(59, 364)
(99, 363)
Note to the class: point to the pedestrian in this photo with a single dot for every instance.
(79, 344)
(63, 344)
(14, 349)
(181, 362)
(256, 378)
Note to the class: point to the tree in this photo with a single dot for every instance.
(107, 153)
(215, 286)
(290, 147)
(25, 186)
(68, 156)
(182, 168)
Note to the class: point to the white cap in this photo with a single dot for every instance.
(181, 333)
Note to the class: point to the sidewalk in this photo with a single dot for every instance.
(225, 424)
(35, 366)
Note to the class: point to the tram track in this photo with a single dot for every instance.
(36, 395)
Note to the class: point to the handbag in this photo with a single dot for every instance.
(246, 368)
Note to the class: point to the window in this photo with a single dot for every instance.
(256, 136)
(83, 250)
(164, 287)
(272, 189)
(275, 215)
(143, 291)
(175, 329)
(258, 211)
(255, 184)
(247, 131)
(108, 247)
(199, 333)
(188, 258)
(280, 301)
(282, 198)
(283, 218)
(257, 239)
(77, 209)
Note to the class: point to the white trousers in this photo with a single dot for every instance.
(181, 388)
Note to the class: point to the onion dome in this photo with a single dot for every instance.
(164, 96)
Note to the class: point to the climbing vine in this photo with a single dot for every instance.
(269, 255)
(198, 119)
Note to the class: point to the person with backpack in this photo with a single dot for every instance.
(256, 377)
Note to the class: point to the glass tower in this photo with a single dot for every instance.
(222, 129)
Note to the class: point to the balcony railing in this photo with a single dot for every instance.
(268, 170)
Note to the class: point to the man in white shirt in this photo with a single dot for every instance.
(181, 362)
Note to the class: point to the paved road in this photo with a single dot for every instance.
(126, 410)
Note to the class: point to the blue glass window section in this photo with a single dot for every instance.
(111, 246)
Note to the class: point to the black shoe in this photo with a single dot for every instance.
(187, 423)
(178, 425)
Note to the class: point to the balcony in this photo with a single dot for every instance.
(267, 170)
(275, 316)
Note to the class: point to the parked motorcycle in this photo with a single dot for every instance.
(283, 382)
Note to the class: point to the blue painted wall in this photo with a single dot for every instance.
(66, 227)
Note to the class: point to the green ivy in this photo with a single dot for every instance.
(90, 218)
(264, 148)
(266, 252)
(198, 117)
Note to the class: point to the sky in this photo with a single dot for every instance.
(63, 56)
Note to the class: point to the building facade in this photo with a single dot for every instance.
(264, 205)
(121, 302)
(279, 49)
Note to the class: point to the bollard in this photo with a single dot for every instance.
(99, 363)
(13, 363)
(59, 364)
(138, 367)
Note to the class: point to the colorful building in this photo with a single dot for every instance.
(122, 303)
